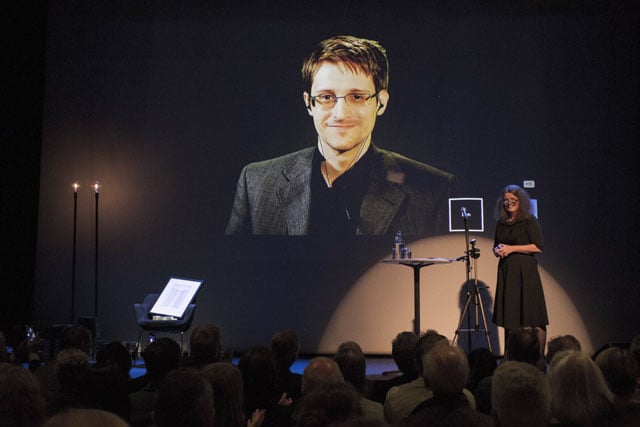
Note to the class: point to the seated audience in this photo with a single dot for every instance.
(520, 396)
(285, 346)
(228, 399)
(86, 386)
(482, 364)
(578, 390)
(318, 371)
(21, 403)
(184, 399)
(73, 337)
(115, 355)
(523, 345)
(205, 344)
(447, 370)
(259, 373)
(561, 343)
(402, 400)
(621, 373)
(350, 358)
(403, 351)
(326, 403)
(160, 357)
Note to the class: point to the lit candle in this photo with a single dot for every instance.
(76, 185)
(96, 186)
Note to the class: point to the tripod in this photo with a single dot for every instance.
(473, 292)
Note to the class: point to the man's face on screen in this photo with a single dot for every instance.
(346, 123)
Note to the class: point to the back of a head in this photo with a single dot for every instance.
(21, 403)
(226, 382)
(352, 363)
(578, 390)
(326, 404)
(523, 346)
(620, 370)
(424, 345)
(561, 343)
(482, 364)
(76, 336)
(161, 357)
(520, 395)
(403, 350)
(205, 343)
(320, 370)
(185, 398)
(446, 369)
(285, 345)
(81, 417)
(3, 348)
(114, 354)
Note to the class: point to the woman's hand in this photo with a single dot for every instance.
(502, 250)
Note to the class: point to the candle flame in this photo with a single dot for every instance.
(76, 185)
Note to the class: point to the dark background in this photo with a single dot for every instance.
(165, 104)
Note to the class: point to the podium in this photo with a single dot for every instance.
(416, 264)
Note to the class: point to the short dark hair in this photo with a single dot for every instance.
(357, 54)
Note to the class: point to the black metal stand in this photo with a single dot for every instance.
(473, 292)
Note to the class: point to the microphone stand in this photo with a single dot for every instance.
(470, 257)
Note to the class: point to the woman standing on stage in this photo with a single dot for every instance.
(519, 296)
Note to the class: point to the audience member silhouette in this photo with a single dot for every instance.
(205, 346)
(402, 400)
(160, 357)
(73, 337)
(184, 399)
(259, 374)
(82, 417)
(20, 401)
(520, 396)
(86, 386)
(285, 346)
(578, 390)
(115, 355)
(561, 343)
(326, 403)
(403, 351)
(318, 371)
(228, 398)
(523, 345)
(447, 370)
(351, 360)
(482, 364)
(621, 373)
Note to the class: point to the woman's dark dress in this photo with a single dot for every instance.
(519, 295)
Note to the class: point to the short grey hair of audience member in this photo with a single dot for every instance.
(320, 370)
(446, 369)
(81, 417)
(578, 390)
(620, 370)
(520, 396)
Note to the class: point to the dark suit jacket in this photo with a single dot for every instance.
(273, 197)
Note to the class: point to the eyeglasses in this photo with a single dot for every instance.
(510, 202)
(328, 101)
